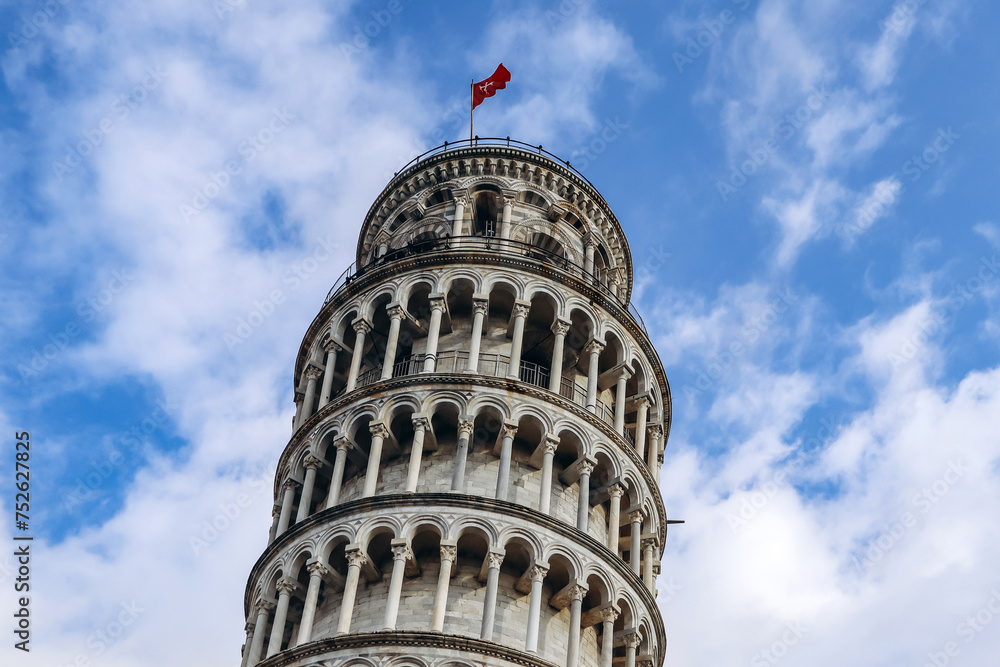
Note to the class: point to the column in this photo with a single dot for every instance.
(400, 554)
(480, 308)
(631, 645)
(559, 328)
(339, 463)
(332, 348)
(465, 428)
(608, 617)
(549, 452)
(395, 312)
(420, 425)
(590, 246)
(623, 377)
(642, 414)
(317, 571)
(297, 419)
(355, 559)
(457, 223)
(583, 508)
(287, 498)
(614, 517)
(275, 517)
(495, 558)
(508, 431)
(379, 433)
(246, 644)
(634, 540)
(362, 328)
(575, 611)
(285, 587)
(594, 349)
(648, 546)
(520, 314)
(655, 433)
(260, 627)
(383, 247)
(434, 331)
(508, 206)
(312, 376)
(449, 552)
(312, 465)
(537, 574)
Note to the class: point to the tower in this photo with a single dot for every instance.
(472, 476)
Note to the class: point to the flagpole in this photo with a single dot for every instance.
(472, 94)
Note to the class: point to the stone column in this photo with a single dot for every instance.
(508, 206)
(520, 315)
(653, 455)
(614, 517)
(537, 574)
(449, 552)
(245, 658)
(312, 376)
(363, 329)
(631, 645)
(608, 617)
(259, 629)
(434, 331)
(480, 309)
(395, 312)
(355, 559)
(648, 546)
(275, 517)
(508, 431)
(458, 223)
(285, 587)
(420, 425)
(545, 495)
(465, 428)
(635, 539)
(640, 425)
(583, 508)
(590, 246)
(400, 554)
(287, 498)
(332, 348)
(594, 349)
(312, 464)
(623, 377)
(560, 327)
(297, 419)
(317, 571)
(575, 612)
(495, 558)
(337, 479)
(379, 433)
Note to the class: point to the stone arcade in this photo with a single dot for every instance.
(472, 476)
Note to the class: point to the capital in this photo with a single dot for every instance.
(495, 559)
(332, 346)
(586, 467)
(609, 614)
(437, 304)
(356, 558)
(550, 444)
(264, 606)
(286, 585)
(616, 490)
(632, 640)
(461, 199)
(276, 510)
(465, 427)
(299, 396)
(420, 423)
(578, 592)
(537, 572)
(342, 443)
(637, 516)
(594, 348)
(561, 327)
(480, 307)
(362, 327)
(449, 553)
(312, 463)
(521, 310)
(509, 429)
(395, 312)
(378, 429)
(313, 372)
(655, 431)
(289, 484)
(317, 569)
(649, 543)
(642, 402)
(402, 552)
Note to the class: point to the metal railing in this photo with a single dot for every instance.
(448, 244)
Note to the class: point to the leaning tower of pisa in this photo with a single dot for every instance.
(472, 476)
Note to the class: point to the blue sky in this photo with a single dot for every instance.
(809, 192)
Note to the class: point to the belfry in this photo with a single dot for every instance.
(473, 475)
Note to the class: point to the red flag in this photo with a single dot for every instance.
(489, 87)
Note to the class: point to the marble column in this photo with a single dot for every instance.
(594, 349)
(309, 401)
(608, 618)
(245, 658)
(317, 571)
(433, 333)
(449, 552)
(508, 431)
(615, 492)
(400, 554)
(284, 587)
(653, 455)
(337, 478)
(458, 223)
(634, 545)
(642, 413)
(362, 329)
(395, 312)
(297, 419)
(508, 206)
(648, 547)
(312, 465)
(420, 425)
(631, 645)
(560, 327)
(379, 434)
(465, 428)
(494, 558)
(517, 339)
(355, 559)
(623, 377)
(575, 612)
(287, 499)
(583, 506)
(275, 518)
(537, 573)
(550, 445)
(480, 309)
(332, 349)
(263, 608)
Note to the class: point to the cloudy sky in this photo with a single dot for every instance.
(810, 193)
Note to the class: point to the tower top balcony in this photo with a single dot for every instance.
(501, 188)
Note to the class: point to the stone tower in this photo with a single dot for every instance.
(472, 476)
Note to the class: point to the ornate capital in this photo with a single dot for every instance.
(420, 423)
(395, 312)
(495, 560)
(332, 346)
(521, 310)
(342, 443)
(402, 553)
(461, 199)
(508, 430)
(356, 558)
(264, 605)
(561, 327)
(649, 543)
(312, 463)
(317, 569)
(313, 372)
(361, 327)
(637, 515)
(286, 585)
(449, 553)
(249, 626)
(594, 347)
(480, 307)
(537, 572)
(609, 614)
(586, 468)
(378, 430)
(289, 484)
(276, 510)
(578, 592)
(437, 304)
(299, 396)
(465, 427)
(642, 402)
(550, 444)
(632, 640)
(616, 491)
